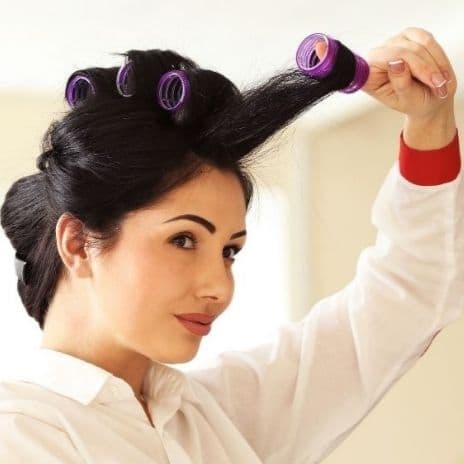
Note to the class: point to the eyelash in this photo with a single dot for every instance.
(195, 241)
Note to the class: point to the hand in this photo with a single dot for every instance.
(430, 121)
(412, 91)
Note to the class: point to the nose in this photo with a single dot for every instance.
(217, 282)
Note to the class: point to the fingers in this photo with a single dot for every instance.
(425, 57)
(420, 68)
(400, 81)
(321, 48)
(425, 45)
(438, 78)
(433, 48)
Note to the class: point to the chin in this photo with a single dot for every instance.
(180, 356)
(186, 356)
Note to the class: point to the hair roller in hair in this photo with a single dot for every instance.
(91, 82)
(78, 89)
(310, 64)
(125, 80)
(173, 90)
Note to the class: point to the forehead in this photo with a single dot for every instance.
(212, 184)
(214, 194)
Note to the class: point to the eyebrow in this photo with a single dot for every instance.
(205, 223)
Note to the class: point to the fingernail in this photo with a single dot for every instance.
(396, 66)
(447, 76)
(438, 80)
(442, 91)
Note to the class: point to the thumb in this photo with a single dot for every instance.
(400, 76)
(321, 48)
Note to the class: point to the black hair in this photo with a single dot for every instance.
(113, 154)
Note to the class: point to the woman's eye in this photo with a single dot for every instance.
(236, 250)
(180, 240)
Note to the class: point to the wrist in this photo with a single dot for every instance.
(430, 133)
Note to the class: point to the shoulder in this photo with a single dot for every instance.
(19, 400)
(28, 438)
(30, 429)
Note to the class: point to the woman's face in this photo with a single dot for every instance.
(155, 270)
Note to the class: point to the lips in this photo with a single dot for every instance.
(197, 317)
(197, 328)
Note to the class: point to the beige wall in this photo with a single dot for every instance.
(421, 419)
(24, 117)
(332, 174)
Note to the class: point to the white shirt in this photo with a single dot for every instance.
(290, 400)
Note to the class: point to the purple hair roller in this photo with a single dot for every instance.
(125, 80)
(306, 54)
(308, 61)
(173, 90)
(78, 89)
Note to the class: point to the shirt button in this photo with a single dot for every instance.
(114, 390)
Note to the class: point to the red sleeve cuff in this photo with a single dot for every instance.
(430, 167)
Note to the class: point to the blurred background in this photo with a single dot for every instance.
(311, 216)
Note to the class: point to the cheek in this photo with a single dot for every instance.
(138, 294)
(139, 284)
(155, 275)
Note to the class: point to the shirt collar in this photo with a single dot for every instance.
(85, 382)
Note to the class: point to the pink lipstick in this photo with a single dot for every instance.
(195, 327)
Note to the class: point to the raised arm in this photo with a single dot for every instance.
(296, 397)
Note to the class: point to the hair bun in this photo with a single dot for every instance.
(42, 160)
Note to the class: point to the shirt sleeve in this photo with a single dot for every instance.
(430, 167)
(25, 438)
(296, 397)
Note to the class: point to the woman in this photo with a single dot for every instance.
(122, 235)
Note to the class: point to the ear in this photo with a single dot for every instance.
(70, 242)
